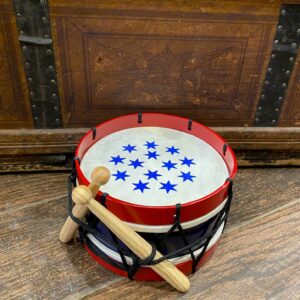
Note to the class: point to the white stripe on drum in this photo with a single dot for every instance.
(185, 225)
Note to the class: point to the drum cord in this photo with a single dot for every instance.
(85, 228)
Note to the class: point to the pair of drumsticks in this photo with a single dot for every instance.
(84, 196)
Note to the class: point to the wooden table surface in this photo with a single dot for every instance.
(258, 257)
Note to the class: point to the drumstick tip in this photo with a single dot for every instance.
(184, 285)
(100, 176)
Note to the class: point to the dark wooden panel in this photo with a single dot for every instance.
(208, 66)
(290, 115)
(255, 261)
(14, 102)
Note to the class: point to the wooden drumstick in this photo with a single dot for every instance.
(83, 196)
(99, 176)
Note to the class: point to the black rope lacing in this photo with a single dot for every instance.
(85, 228)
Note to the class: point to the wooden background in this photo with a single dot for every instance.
(205, 60)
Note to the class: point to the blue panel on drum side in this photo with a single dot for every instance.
(165, 243)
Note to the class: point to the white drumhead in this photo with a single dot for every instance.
(156, 166)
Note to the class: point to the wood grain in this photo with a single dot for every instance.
(258, 191)
(20, 190)
(36, 162)
(35, 265)
(264, 8)
(256, 261)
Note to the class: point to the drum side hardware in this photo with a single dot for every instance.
(190, 124)
(225, 146)
(94, 131)
(140, 118)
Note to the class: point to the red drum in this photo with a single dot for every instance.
(171, 181)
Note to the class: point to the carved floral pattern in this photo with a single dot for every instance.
(163, 76)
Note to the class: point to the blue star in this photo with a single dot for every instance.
(136, 163)
(129, 148)
(172, 150)
(153, 174)
(121, 175)
(186, 176)
(168, 186)
(169, 165)
(150, 145)
(152, 154)
(187, 162)
(141, 186)
(117, 159)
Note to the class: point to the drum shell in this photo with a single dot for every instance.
(147, 216)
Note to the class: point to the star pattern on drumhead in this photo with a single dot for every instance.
(150, 145)
(169, 165)
(172, 150)
(168, 162)
(187, 161)
(121, 175)
(152, 174)
(168, 186)
(141, 186)
(129, 148)
(117, 159)
(136, 163)
(152, 154)
(186, 176)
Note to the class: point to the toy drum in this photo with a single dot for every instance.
(171, 181)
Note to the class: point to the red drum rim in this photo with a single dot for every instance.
(159, 215)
